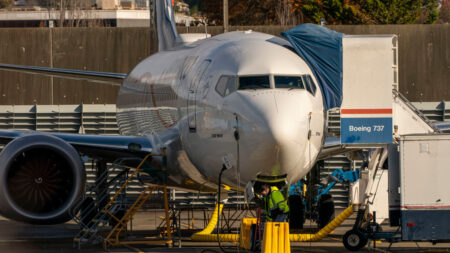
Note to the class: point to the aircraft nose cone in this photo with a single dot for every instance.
(281, 140)
(288, 128)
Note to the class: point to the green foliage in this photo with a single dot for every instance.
(4, 3)
(242, 12)
(444, 13)
(194, 9)
(369, 11)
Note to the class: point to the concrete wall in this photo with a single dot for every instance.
(96, 49)
(423, 57)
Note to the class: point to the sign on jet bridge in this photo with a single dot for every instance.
(368, 77)
(360, 126)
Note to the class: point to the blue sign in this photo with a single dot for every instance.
(366, 130)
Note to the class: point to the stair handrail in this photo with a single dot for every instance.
(396, 93)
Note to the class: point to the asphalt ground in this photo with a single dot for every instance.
(20, 237)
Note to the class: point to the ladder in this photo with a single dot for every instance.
(111, 219)
(87, 212)
(113, 238)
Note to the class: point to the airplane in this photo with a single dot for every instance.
(244, 96)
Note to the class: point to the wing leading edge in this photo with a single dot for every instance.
(95, 145)
(93, 76)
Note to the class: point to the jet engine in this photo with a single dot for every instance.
(41, 177)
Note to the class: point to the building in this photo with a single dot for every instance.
(182, 7)
(99, 18)
(97, 13)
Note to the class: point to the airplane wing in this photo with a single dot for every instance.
(92, 76)
(94, 145)
(444, 126)
(105, 146)
(332, 147)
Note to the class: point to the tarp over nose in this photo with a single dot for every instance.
(321, 48)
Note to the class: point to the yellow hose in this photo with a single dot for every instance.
(324, 231)
(206, 236)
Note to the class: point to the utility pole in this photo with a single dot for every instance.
(225, 16)
(61, 13)
(153, 27)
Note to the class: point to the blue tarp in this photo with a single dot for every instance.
(321, 48)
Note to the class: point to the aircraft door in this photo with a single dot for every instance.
(192, 95)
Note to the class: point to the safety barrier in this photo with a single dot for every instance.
(276, 238)
(244, 235)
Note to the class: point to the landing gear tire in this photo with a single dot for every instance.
(296, 212)
(354, 240)
(325, 210)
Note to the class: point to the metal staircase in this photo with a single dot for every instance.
(419, 113)
(101, 219)
(87, 212)
(113, 237)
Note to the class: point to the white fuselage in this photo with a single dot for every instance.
(281, 130)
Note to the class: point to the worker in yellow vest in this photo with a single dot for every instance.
(275, 205)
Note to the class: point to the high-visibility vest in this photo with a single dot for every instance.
(275, 199)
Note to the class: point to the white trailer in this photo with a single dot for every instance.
(425, 187)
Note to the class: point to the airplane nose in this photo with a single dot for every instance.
(288, 128)
(282, 120)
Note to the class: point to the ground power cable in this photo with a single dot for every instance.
(238, 171)
(218, 209)
(236, 136)
(309, 178)
(238, 178)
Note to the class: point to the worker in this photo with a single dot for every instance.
(276, 209)
(275, 205)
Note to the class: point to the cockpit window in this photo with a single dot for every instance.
(294, 82)
(254, 82)
(310, 86)
(226, 85)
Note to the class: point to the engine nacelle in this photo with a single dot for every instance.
(41, 177)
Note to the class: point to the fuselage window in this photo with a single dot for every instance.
(254, 82)
(289, 82)
(226, 85)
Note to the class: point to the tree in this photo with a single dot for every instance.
(4, 3)
(251, 12)
(368, 11)
(444, 12)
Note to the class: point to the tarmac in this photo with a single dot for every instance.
(21, 237)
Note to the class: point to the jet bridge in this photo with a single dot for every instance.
(359, 74)
(376, 116)
(373, 111)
